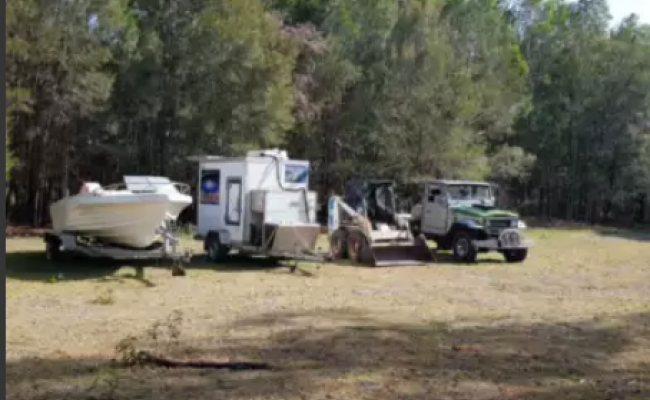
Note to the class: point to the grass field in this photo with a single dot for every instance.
(572, 322)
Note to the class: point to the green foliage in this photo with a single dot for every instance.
(511, 163)
(540, 96)
(10, 161)
(205, 76)
(61, 61)
(588, 120)
(18, 101)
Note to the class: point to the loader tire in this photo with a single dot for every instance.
(358, 248)
(339, 244)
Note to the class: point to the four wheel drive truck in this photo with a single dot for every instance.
(461, 216)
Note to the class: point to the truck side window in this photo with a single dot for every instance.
(433, 194)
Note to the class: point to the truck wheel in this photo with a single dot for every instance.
(217, 252)
(515, 255)
(338, 244)
(464, 249)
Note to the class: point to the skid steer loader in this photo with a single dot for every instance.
(364, 227)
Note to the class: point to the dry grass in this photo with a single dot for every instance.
(572, 322)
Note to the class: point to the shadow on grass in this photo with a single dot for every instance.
(246, 263)
(33, 266)
(447, 258)
(356, 357)
(439, 260)
(234, 263)
(243, 263)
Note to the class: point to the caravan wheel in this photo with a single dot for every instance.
(216, 251)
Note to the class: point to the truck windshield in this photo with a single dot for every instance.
(469, 192)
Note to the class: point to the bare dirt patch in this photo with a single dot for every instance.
(23, 231)
(572, 322)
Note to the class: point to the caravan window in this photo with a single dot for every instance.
(296, 173)
(233, 202)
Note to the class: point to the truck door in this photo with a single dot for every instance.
(434, 211)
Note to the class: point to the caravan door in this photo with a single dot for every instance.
(233, 215)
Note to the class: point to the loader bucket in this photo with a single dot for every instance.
(417, 253)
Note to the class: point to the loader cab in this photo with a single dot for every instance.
(374, 199)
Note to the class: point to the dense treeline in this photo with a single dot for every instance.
(544, 98)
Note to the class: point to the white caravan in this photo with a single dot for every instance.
(258, 204)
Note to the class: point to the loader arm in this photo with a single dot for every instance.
(357, 219)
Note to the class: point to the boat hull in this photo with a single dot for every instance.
(129, 220)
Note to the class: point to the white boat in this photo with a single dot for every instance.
(128, 213)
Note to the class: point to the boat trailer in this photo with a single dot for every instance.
(58, 245)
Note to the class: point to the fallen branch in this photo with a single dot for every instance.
(148, 358)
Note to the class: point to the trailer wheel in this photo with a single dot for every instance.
(217, 252)
(338, 244)
(464, 249)
(53, 250)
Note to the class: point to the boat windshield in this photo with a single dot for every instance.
(147, 184)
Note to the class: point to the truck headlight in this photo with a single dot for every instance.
(521, 224)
